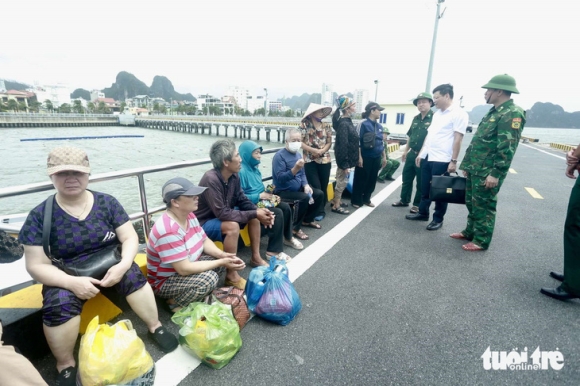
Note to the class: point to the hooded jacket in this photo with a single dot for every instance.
(250, 175)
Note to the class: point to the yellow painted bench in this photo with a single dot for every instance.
(31, 298)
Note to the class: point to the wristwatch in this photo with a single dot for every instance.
(454, 161)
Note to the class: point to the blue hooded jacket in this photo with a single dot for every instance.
(250, 175)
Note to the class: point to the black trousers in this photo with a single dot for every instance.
(275, 234)
(365, 181)
(318, 176)
(304, 212)
(428, 170)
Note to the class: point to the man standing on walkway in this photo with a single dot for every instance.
(417, 133)
(488, 159)
(440, 151)
(570, 287)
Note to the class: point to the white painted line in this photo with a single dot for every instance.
(543, 151)
(534, 193)
(175, 366)
(306, 259)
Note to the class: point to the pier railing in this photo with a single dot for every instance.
(56, 120)
(14, 227)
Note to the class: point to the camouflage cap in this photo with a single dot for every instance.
(67, 158)
(502, 82)
(423, 95)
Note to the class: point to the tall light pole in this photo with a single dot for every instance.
(266, 103)
(430, 72)
(376, 89)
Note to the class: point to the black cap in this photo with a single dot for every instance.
(373, 105)
(176, 187)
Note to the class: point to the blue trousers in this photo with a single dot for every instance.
(428, 170)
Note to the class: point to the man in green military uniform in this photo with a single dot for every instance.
(417, 133)
(570, 287)
(488, 158)
(392, 165)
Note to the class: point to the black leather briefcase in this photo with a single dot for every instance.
(449, 189)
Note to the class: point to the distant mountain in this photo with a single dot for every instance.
(540, 115)
(301, 102)
(162, 87)
(127, 86)
(12, 85)
(552, 116)
(81, 93)
(478, 113)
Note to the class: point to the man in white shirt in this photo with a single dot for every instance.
(440, 151)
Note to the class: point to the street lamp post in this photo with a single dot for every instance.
(376, 89)
(266, 103)
(430, 71)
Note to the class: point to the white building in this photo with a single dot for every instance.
(241, 96)
(255, 102)
(361, 98)
(327, 94)
(274, 106)
(58, 94)
(2, 86)
(398, 116)
(96, 94)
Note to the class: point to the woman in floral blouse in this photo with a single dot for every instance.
(316, 143)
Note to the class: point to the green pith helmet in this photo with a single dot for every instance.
(423, 95)
(386, 131)
(502, 82)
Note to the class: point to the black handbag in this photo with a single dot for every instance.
(95, 266)
(449, 189)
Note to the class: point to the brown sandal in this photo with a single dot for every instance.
(301, 235)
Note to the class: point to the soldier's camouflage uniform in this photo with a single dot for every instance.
(417, 133)
(392, 164)
(490, 153)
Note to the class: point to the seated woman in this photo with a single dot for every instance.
(183, 264)
(251, 180)
(83, 222)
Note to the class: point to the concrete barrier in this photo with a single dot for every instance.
(561, 146)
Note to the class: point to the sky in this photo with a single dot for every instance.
(292, 47)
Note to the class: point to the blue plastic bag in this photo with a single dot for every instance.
(350, 182)
(271, 295)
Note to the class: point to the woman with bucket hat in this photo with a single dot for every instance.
(316, 143)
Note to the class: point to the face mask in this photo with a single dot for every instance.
(293, 147)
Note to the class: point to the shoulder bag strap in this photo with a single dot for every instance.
(47, 223)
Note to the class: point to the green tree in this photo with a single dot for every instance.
(123, 106)
(205, 110)
(103, 109)
(22, 107)
(78, 107)
(261, 111)
(64, 108)
(91, 107)
(155, 107)
(289, 113)
(48, 104)
(2, 106)
(34, 106)
(12, 105)
(162, 109)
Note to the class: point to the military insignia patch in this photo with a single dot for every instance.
(516, 123)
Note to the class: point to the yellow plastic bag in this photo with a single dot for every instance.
(112, 354)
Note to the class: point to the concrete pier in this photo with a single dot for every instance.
(257, 129)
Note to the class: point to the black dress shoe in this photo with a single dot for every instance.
(558, 293)
(434, 225)
(557, 276)
(389, 179)
(417, 217)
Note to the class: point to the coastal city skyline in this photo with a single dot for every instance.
(293, 48)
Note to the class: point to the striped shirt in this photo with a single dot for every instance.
(169, 243)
